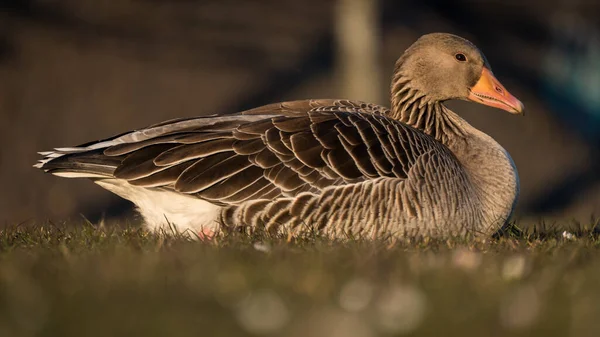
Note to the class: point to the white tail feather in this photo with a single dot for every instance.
(78, 175)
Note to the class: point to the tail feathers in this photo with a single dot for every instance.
(78, 163)
(88, 160)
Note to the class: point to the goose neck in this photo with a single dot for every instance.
(413, 107)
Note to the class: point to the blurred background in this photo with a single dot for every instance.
(72, 71)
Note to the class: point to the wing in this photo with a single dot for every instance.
(272, 151)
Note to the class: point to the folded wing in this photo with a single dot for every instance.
(272, 151)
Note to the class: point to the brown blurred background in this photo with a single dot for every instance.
(72, 71)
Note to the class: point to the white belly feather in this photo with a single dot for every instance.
(161, 208)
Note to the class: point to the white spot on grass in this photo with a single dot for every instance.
(401, 309)
(520, 309)
(262, 312)
(262, 247)
(465, 259)
(568, 236)
(514, 268)
(356, 295)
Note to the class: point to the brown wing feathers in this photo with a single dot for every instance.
(268, 152)
(274, 156)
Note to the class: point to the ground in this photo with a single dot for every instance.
(86, 280)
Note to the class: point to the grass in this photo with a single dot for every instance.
(123, 281)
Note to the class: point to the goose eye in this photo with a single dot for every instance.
(460, 57)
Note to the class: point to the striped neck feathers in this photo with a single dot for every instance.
(413, 107)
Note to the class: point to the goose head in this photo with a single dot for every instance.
(444, 66)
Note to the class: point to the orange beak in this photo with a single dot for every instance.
(489, 91)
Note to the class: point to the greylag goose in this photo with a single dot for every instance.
(338, 166)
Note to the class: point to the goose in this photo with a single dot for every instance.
(337, 166)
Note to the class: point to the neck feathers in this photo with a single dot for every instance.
(413, 107)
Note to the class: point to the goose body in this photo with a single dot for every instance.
(339, 166)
